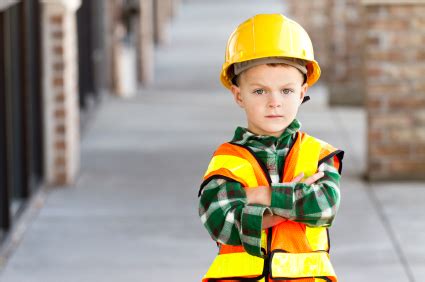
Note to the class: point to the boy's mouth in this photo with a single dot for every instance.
(274, 116)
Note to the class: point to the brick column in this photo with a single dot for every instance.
(174, 7)
(161, 17)
(145, 43)
(60, 90)
(346, 80)
(314, 17)
(395, 70)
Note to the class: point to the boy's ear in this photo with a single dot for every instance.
(304, 89)
(236, 92)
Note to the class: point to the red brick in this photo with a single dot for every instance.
(401, 11)
(61, 178)
(393, 120)
(407, 167)
(373, 40)
(420, 134)
(408, 103)
(57, 34)
(60, 161)
(419, 150)
(409, 38)
(60, 98)
(390, 150)
(419, 116)
(374, 135)
(60, 128)
(374, 103)
(56, 19)
(393, 56)
(419, 87)
(57, 81)
(60, 145)
(389, 24)
(419, 55)
(381, 89)
(58, 66)
(374, 71)
(58, 50)
(418, 23)
(404, 135)
(60, 113)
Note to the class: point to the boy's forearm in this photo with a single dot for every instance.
(314, 205)
(228, 217)
(260, 195)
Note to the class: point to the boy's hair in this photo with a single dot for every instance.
(236, 78)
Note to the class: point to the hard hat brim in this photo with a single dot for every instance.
(313, 74)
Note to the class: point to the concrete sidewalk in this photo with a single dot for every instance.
(132, 215)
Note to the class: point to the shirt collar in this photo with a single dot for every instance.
(243, 135)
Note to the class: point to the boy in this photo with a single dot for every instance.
(269, 195)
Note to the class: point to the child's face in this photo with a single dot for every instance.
(270, 96)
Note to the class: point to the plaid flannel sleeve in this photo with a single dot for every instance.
(315, 204)
(228, 218)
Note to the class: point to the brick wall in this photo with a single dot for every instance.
(146, 43)
(314, 17)
(336, 30)
(395, 70)
(60, 90)
(162, 13)
(346, 79)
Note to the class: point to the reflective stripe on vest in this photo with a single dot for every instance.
(301, 247)
(308, 157)
(235, 265)
(238, 167)
(287, 265)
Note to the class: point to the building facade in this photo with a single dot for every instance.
(373, 56)
(58, 58)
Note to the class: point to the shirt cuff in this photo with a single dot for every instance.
(252, 222)
(282, 199)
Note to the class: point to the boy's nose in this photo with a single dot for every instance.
(274, 101)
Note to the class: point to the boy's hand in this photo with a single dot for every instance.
(263, 195)
(309, 180)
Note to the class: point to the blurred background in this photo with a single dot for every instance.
(111, 110)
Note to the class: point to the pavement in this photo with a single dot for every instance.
(132, 213)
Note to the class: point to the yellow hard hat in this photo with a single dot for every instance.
(269, 35)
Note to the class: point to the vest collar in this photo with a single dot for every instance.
(243, 135)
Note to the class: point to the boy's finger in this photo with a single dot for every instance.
(314, 178)
(298, 178)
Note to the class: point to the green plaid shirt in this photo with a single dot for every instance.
(230, 220)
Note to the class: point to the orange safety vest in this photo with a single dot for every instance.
(293, 250)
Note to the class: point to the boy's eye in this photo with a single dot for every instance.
(259, 91)
(287, 91)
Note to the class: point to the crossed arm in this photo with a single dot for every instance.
(235, 215)
(262, 195)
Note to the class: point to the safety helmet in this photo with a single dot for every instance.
(269, 35)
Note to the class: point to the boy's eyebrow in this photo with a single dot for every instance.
(263, 85)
